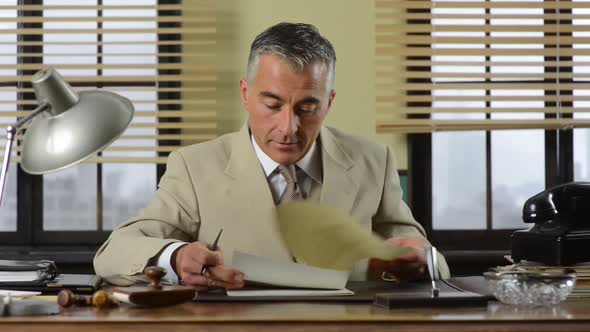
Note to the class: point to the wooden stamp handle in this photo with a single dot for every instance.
(66, 298)
(155, 273)
(100, 299)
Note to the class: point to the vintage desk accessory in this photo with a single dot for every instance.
(100, 299)
(154, 294)
(67, 127)
(531, 288)
(561, 232)
(431, 296)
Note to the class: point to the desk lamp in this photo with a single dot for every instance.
(67, 127)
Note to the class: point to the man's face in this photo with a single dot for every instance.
(286, 107)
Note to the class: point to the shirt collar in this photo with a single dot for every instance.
(311, 163)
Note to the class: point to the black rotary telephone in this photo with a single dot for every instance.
(561, 231)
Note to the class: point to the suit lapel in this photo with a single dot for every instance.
(251, 198)
(339, 187)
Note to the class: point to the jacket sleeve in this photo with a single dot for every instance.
(171, 216)
(394, 218)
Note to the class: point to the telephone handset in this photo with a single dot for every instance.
(561, 208)
(561, 234)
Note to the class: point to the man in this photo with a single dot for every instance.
(282, 153)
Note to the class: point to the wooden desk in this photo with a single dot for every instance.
(572, 315)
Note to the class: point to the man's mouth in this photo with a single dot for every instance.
(286, 144)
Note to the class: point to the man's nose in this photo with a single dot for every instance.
(289, 121)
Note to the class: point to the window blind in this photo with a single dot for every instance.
(455, 65)
(160, 56)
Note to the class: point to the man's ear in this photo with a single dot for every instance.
(331, 99)
(244, 92)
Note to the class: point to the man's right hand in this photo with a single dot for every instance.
(188, 261)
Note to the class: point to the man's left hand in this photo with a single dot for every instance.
(407, 267)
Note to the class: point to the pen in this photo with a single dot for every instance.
(213, 248)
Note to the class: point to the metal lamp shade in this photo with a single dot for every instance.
(57, 140)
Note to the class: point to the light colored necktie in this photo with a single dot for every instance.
(292, 192)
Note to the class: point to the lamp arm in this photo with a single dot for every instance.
(11, 132)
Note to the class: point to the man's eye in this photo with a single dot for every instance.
(307, 110)
(274, 107)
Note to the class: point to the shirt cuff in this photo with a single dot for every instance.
(164, 262)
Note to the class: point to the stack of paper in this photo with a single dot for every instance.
(17, 294)
(26, 271)
(18, 276)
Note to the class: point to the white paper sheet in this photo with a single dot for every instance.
(18, 276)
(289, 292)
(15, 293)
(287, 274)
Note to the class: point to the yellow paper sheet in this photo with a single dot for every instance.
(325, 237)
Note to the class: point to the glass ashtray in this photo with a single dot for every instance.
(531, 288)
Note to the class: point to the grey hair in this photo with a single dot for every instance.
(299, 44)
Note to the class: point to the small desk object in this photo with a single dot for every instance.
(154, 294)
(433, 296)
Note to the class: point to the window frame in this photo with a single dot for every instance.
(30, 235)
(558, 163)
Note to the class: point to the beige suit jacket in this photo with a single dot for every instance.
(221, 184)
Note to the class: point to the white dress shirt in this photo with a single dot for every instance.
(309, 168)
